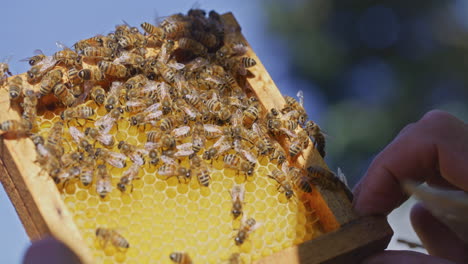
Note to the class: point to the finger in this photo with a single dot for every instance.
(437, 238)
(407, 257)
(435, 145)
(50, 251)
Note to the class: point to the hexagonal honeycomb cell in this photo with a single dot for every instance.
(164, 208)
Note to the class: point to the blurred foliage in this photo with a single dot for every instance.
(380, 65)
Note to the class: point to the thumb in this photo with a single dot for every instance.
(407, 257)
(436, 237)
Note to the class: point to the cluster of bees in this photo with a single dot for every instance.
(183, 84)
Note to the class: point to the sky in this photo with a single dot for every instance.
(30, 25)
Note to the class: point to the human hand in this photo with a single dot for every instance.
(433, 150)
(50, 251)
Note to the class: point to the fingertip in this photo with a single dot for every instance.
(50, 251)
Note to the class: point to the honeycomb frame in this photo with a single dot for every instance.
(42, 210)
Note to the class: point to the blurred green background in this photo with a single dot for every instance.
(377, 65)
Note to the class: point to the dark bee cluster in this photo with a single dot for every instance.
(181, 84)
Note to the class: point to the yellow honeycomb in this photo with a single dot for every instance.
(162, 216)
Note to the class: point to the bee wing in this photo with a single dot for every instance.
(60, 45)
(153, 116)
(289, 114)
(239, 49)
(117, 159)
(285, 168)
(38, 52)
(168, 160)
(255, 227)
(150, 86)
(176, 65)
(115, 87)
(105, 123)
(300, 96)
(215, 80)
(180, 131)
(46, 63)
(185, 146)
(223, 148)
(219, 141)
(137, 158)
(342, 176)
(151, 145)
(288, 132)
(248, 155)
(212, 128)
(42, 150)
(196, 63)
(184, 153)
(122, 58)
(105, 139)
(76, 134)
(152, 108)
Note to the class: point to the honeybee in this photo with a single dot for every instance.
(113, 158)
(41, 151)
(49, 81)
(260, 139)
(324, 178)
(103, 181)
(79, 112)
(39, 69)
(235, 258)
(180, 258)
(247, 226)
(98, 94)
(250, 115)
(237, 195)
(38, 57)
(96, 41)
(167, 73)
(136, 81)
(98, 52)
(239, 148)
(194, 46)
(299, 179)
(218, 148)
(54, 139)
(105, 139)
(131, 40)
(168, 123)
(292, 104)
(127, 178)
(234, 161)
(15, 88)
(105, 123)
(71, 158)
(284, 184)
(66, 56)
(66, 175)
(299, 143)
(207, 39)
(166, 51)
(19, 127)
(279, 126)
(91, 74)
(279, 154)
(106, 235)
(64, 95)
(112, 69)
(134, 153)
(180, 132)
(239, 65)
(152, 30)
(4, 70)
(130, 58)
(174, 28)
(200, 169)
(231, 50)
(313, 130)
(191, 113)
(30, 107)
(113, 96)
(149, 115)
(198, 137)
(175, 170)
(87, 171)
(153, 157)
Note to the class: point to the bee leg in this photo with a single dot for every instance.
(131, 187)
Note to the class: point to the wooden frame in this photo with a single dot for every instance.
(43, 213)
